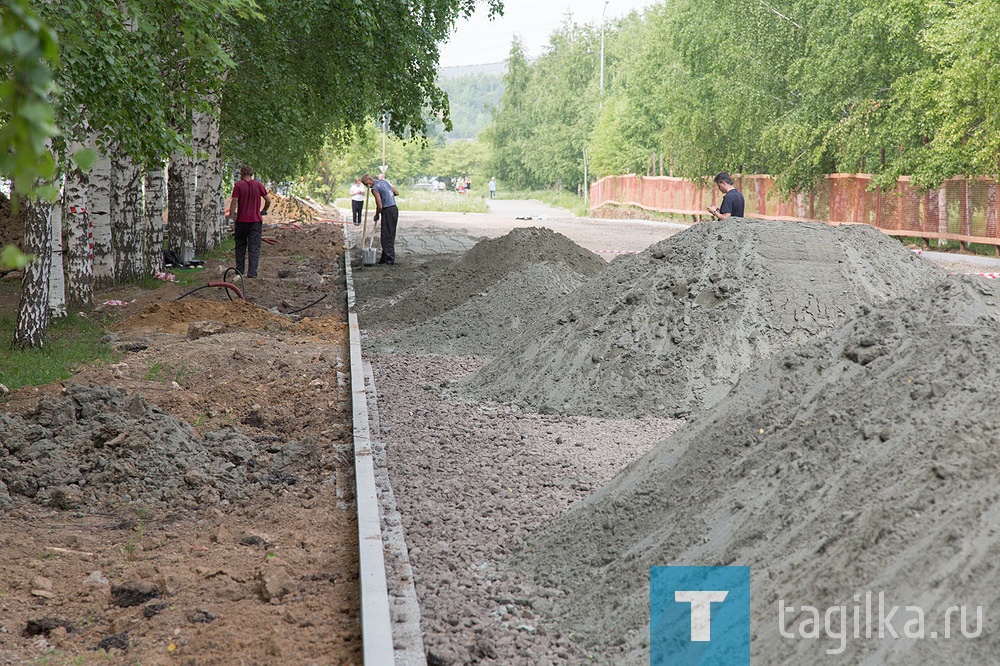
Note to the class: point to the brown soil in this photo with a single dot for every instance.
(274, 378)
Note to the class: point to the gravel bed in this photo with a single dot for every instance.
(472, 482)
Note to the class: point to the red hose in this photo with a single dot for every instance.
(230, 286)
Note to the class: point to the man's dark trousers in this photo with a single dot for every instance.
(390, 216)
(248, 237)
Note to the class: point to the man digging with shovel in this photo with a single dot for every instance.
(385, 208)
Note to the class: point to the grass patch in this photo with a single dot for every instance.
(952, 246)
(70, 342)
(423, 200)
(557, 198)
(168, 372)
(448, 202)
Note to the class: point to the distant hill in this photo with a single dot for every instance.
(489, 69)
(471, 96)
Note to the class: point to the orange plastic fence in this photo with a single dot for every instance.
(962, 209)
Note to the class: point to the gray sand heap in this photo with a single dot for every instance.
(671, 329)
(867, 460)
(96, 447)
(485, 324)
(488, 262)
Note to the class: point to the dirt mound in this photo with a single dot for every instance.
(98, 448)
(174, 316)
(287, 210)
(671, 329)
(864, 461)
(484, 324)
(487, 263)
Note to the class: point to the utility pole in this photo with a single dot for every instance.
(385, 130)
(601, 95)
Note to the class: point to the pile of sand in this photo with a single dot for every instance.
(485, 324)
(672, 328)
(487, 263)
(865, 460)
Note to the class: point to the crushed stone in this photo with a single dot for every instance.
(669, 330)
(865, 460)
(488, 262)
(96, 447)
(485, 323)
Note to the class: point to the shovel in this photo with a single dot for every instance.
(367, 253)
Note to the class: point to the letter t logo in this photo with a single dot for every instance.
(701, 610)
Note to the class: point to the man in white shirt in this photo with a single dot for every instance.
(357, 200)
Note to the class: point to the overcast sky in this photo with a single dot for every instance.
(479, 41)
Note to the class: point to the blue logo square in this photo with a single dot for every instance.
(699, 616)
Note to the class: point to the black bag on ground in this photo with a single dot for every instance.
(170, 258)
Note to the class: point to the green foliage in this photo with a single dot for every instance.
(348, 155)
(12, 257)
(71, 342)
(510, 133)
(318, 68)
(28, 52)
(796, 89)
(154, 62)
(459, 159)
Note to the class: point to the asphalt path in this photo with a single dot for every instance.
(607, 237)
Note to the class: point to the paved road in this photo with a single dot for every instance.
(609, 238)
(606, 237)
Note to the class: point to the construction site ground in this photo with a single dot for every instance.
(177, 567)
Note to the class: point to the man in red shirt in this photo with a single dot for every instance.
(246, 213)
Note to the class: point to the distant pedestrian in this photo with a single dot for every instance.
(357, 200)
(493, 188)
(732, 200)
(248, 220)
(385, 208)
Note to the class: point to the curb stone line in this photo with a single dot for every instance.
(376, 628)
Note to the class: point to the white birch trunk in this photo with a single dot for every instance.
(126, 220)
(208, 200)
(155, 201)
(180, 203)
(99, 198)
(33, 313)
(57, 281)
(79, 258)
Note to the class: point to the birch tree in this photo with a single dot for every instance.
(99, 187)
(79, 256)
(155, 189)
(57, 279)
(33, 313)
(210, 222)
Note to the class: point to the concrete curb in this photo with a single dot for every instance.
(376, 627)
(379, 622)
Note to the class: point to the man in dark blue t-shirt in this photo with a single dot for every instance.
(732, 200)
